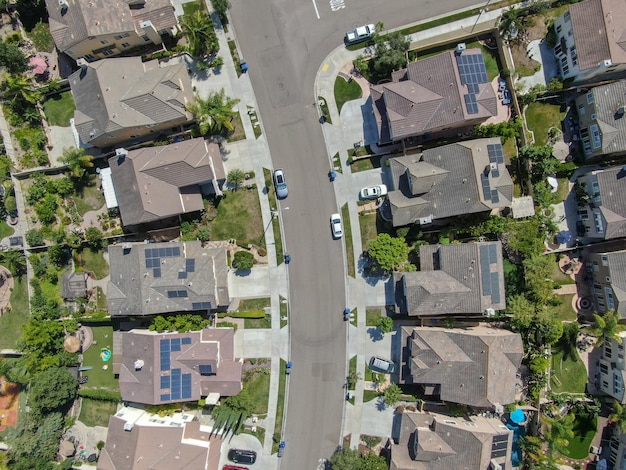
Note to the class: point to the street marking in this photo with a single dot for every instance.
(325, 67)
(336, 5)
(316, 12)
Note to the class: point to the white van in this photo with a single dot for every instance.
(378, 364)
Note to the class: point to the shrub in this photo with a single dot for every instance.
(250, 314)
(243, 260)
(100, 394)
(34, 237)
(9, 204)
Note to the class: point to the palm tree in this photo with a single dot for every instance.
(534, 455)
(201, 35)
(77, 162)
(607, 327)
(214, 113)
(19, 88)
(559, 433)
(15, 262)
(619, 416)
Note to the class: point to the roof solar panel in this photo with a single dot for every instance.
(196, 305)
(150, 262)
(165, 397)
(501, 438)
(175, 394)
(495, 198)
(148, 252)
(176, 372)
(156, 272)
(498, 453)
(205, 369)
(182, 274)
(169, 251)
(493, 253)
(496, 174)
(186, 340)
(190, 265)
(176, 251)
(175, 344)
(165, 381)
(182, 293)
(186, 386)
(495, 288)
(165, 361)
(485, 184)
(165, 345)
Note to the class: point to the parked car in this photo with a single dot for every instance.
(280, 184)
(242, 456)
(336, 226)
(378, 364)
(373, 192)
(360, 34)
(233, 467)
(595, 450)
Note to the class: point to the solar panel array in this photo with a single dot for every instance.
(484, 181)
(490, 281)
(496, 155)
(499, 446)
(472, 72)
(154, 255)
(177, 294)
(205, 369)
(201, 305)
(176, 386)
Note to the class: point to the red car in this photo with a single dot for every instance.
(233, 467)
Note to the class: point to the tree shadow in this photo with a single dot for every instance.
(243, 272)
(375, 333)
(380, 404)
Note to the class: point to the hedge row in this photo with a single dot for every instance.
(100, 394)
(249, 314)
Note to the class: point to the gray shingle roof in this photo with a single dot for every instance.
(426, 96)
(612, 183)
(212, 347)
(74, 285)
(144, 284)
(154, 183)
(453, 279)
(446, 181)
(113, 94)
(474, 366)
(437, 442)
(617, 269)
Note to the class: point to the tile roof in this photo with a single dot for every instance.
(153, 443)
(599, 32)
(186, 277)
(167, 358)
(426, 96)
(436, 442)
(474, 366)
(453, 279)
(617, 273)
(118, 93)
(447, 181)
(154, 183)
(612, 187)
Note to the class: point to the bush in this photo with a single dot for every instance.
(250, 314)
(100, 394)
(9, 204)
(34, 237)
(243, 260)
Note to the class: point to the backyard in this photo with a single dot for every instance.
(11, 322)
(101, 374)
(541, 116)
(96, 412)
(89, 197)
(568, 376)
(584, 430)
(93, 262)
(238, 217)
(59, 109)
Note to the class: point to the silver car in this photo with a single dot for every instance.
(280, 184)
(336, 226)
(378, 364)
(373, 192)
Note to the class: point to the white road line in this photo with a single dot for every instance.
(316, 12)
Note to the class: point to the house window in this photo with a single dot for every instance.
(609, 298)
(89, 57)
(605, 260)
(596, 189)
(122, 36)
(581, 109)
(104, 41)
(449, 422)
(597, 219)
(145, 38)
(566, 70)
(559, 28)
(608, 352)
(566, 16)
(595, 135)
(604, 368)
(605, 384)
(597, 289)
(583, 214)
(590, 99)
(593, 117)
(108, 52)
(125, 44)
(69, 52)
(608, 279)
(558, 49)
(601, 304)
(595, 266)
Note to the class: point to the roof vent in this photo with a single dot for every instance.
(138, 364)
(128, 426)
(63, 4)
(608, 63)
(460, 47)
(493, 165)
(145, 24)
(82, 63)
(121, 152)
(620, 112)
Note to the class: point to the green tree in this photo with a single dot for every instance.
(34, 442)
(53, 390)
(201, 34)
(385, 324)
(46, 209)
(15, 262)
(19, 90)
(34, 237)
(221, 8)
(619, 416)
(534, 455)
(537, 274)
(390, 53)
(243, 260)
(94, 238)
(56, 254)
(62, 186)
(607, 327)
(392, 395)
(10, 204)
(346, 459)
(559, 433)
(389, 253)
(77, 161)
(214, 113)
(12, 59)
(353, 378)
(522, 312)
(235, 177)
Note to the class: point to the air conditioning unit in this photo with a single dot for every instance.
(490, 312)
(460, 47)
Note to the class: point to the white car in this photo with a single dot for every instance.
(373, 192)
(336, 226)
(360, 34)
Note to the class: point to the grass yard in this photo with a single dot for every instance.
(249, 305)
(239, 217)
(11, 322)
(352, 368)
(363, 164)
(584, 429)
(99, 377)
(190, 8)
(271, 197)
(372, 315)
(259, 387)
(284, 311)
(346, 91)
(59, 109)
(5, 230)
(41, 37)
(559, 276)
(280, 407)
(567, 375)
(563, 190)
(94, 261)
(565, 311)
(89, 197)
(347, 236)
(258, 323)
(541, 116)
(369, 229)
(369, 395)
(96, 412)
(238, 132)
(101, 299)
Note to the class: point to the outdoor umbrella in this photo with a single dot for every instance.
(563, 236)
(518, 416)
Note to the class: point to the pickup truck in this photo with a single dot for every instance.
(360, 34)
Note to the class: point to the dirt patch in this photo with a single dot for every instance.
(9, 402)
(534, 28)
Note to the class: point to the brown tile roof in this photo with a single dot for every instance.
(427, 96)
(474, 366)
(437, 442)
(154, 183)
(160, 357)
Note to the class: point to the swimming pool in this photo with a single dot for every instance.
(518, 433)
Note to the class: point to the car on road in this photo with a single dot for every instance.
(373, 192)
(336, 226)
(233, 467)
(378, 364)
(360, 33)
(280, 184)
(242, 456)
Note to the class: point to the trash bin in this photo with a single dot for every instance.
(244, 67)
(332, 175)
(287, 259)
(288, 368)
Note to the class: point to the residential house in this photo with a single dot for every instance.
(601, 196)
(608, 274)
(434, 97)
(617, 448)
(590, 44)
(612, 370)
(137, 440)
(154, 183)
(601, 119)
(96, 29)
(123, 99)
(456, 279)
(161, 368)
(463, 178)
(474, 366)
(154, 278)
(437, 442)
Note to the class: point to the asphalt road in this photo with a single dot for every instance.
(284, 43)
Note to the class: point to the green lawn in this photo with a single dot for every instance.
(584, 429)
(364, 164)
(238, 217)
(372, 315)
(567, 375)
(346, 91)
(96, 412)
(271, 197)
(347, 236)
(190, 8)
(41, 37)
(559, 276)
(369, 230)
(352, 367)
(88, 197)
(369, 395)
(252, 323)
(541, 116)
(280, 406)
(94, 261)
(5, 230)
(59, 109)
(565, 310)
(11, 322)
(99, 377)
(259, 388)
(249, 305)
